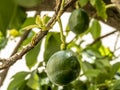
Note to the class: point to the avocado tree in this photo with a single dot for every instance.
(64, 63)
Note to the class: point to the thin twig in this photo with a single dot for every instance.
(116, 42)
(24, 36)
(106, 35)
(3, 74)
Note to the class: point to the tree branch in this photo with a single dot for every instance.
(5, 71)
(113, 14)
(10, 61)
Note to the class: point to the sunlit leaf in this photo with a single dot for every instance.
(93, 2)
(38, 21)
(13, 32)
(45, 19)
(33, 81)
(106, 52)
(83, 2)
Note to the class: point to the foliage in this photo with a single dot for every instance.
(95, 59)
(63, 67)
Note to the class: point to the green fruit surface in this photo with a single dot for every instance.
(78, 21)
(63, 67)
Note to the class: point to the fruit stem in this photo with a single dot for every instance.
(63, 45)
(62, 4)
(110, 6)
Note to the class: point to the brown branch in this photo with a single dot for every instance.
(23, 37)
(106, 35)
(3, 74)
(113, 13)
(10, 61)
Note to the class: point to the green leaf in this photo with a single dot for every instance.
(116, 85)
(38, 21)
(28, 21)
(17, 18)
(91, 53)
(10, 17)
(83, 2)
(67, 87)
(106, 52)
(28, 3)
(103, 64)
(44, 78)
(97, 45)
(86, 66)
(100, 7)
(45, 19)
(102, 77)
(92, 87)
(31, 56)
(105, 67)
(17, 80)
(92, 73)
(79, 85)
(24, 86)
(52, 44)
(34, 81)
(93, 2)
(115, 68)
(5, 14)
(29, 38)
(95, 29)
(3, 41)
(20, 75)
